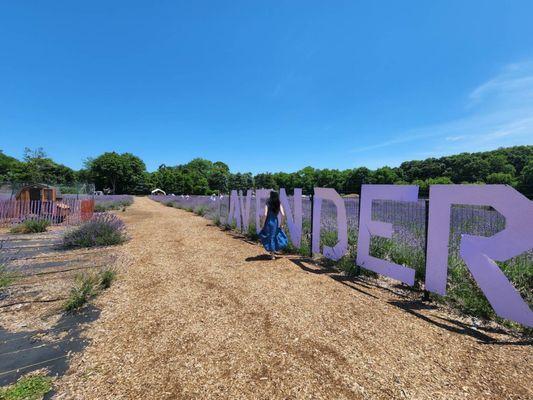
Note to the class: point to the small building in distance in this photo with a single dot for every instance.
(158, 192)
(37, 192)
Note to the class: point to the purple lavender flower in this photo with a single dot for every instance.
(104, 229)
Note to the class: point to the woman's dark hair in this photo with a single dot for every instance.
(273, 202)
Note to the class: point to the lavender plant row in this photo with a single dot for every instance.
(407, 218)
(106, 202)
(110, 198)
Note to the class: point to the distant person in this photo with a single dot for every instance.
(272, 236)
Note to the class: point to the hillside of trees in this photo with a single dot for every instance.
(126, 173)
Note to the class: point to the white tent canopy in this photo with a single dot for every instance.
(158, 191)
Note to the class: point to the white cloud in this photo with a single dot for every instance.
(454, 138)
(514, 85)
(499, 113)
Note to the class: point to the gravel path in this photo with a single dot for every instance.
(196, 314)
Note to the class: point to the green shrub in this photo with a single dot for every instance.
(303, 250)
(84, 288)
(31, 226)
(200, 210)
(88, 285)
(6, 278)
(28, 388)
(106, 277)
(328, 238)
(252, 233)
(347, 265)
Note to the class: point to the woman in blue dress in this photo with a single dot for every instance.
(272, 236)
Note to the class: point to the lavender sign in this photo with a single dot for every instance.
(336, 252)
(294, 216)
(234, 214)
(368, 228)
(478, 252)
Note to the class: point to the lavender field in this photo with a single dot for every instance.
(407, 245)
(106, 202)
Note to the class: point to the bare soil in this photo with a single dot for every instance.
(198, 313)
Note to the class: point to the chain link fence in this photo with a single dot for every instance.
(79, 190)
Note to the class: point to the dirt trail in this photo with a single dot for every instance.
(196, 315)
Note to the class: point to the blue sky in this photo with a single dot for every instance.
(265, 85)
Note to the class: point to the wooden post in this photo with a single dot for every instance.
(312, 197)
(425, 296)
(357, 266)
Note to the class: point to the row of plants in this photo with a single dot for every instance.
(112, 202)
(103, 229)
(407, 246)
(31, 226)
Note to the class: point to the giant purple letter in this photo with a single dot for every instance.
(367, 228)
(294, 220)
(260, 194)
(340, 249)
(245, 209)
(480, 252)
(234, 209)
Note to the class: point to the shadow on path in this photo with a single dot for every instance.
(260, 257)
(413, 307)
(23, 352)
(455, 326)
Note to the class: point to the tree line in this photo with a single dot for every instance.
(126, 173)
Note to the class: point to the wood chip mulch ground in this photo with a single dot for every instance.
(199, 314)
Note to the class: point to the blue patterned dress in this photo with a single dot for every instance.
(272, 236)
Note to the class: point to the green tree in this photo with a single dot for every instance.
(385, 175)
(503, 178)
(526, 179)
(120, 173)
(518, 156)
(285, 180)
(331, 178)
(220, 166)
(306, 179)
(425, 186)
(240, 181)
(498, 163)
(218, 181)
(356, 177)
(265, 181)
(39, 168)
(7, 166)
